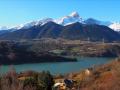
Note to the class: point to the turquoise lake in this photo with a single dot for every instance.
(60, 67)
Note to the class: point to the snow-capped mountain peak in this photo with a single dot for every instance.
(74, 14)
(72, 18)
(33, 23)
(115, 26)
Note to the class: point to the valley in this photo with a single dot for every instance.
(54, 50)
(67, 47)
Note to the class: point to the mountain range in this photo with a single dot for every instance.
(69, 27)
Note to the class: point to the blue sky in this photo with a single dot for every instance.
(15, 12)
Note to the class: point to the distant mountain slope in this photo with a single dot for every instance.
(50, 30)
(72, 31)
(4, 31)
(93, 32)
(94, 21)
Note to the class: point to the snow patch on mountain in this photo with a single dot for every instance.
(4, 28)
(72, 18)
(115, 26)
(33, 23)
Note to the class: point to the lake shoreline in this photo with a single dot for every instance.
(59, 67)
(53, 59)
